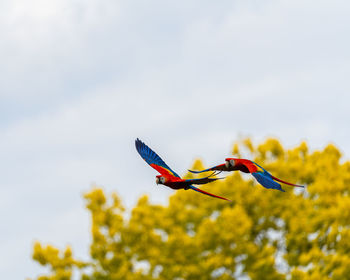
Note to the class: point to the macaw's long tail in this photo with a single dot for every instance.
(206, 193)
(284, 182)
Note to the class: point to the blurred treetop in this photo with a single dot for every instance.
(262, 234)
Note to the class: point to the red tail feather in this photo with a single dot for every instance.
(284, 182)
(210, 194)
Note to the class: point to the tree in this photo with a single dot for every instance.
(262, 234)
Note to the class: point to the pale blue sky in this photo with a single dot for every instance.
(80, 80)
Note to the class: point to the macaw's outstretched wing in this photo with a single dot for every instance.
(206, 193)
(153, 159)
(220, 167)
(277, 179)
(266, 181)
(201, 181)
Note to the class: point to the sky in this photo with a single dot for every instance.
(80, 80)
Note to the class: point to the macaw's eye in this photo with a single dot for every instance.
(162, 180)
(230, 163)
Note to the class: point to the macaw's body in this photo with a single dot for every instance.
(168, 177)
(247, 166)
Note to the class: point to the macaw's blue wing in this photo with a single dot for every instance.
(266, 181)
(221, 167)
(206, 193)
(153, 159)
(201, 181)
(262, 168)
(277, 179)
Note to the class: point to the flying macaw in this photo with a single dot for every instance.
(248, 166)
(168, 177)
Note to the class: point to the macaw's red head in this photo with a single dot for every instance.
(230, 162)
(160, 179)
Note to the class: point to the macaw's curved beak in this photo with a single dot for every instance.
(227, 164)
(157, 180)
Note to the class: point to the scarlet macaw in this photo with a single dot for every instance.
(168, 177)
(248, 166)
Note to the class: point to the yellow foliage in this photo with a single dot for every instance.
(262, 234)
